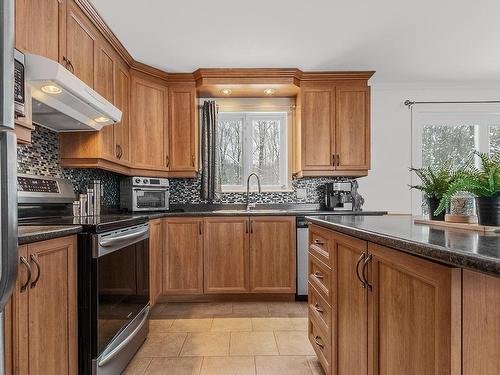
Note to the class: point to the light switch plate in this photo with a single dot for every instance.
(301, 193)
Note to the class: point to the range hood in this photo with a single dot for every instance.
(64, 103)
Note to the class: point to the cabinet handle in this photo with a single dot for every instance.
(365, 268)
(28, 268)
(361, 257)
(318, 242)
(338, 160)
(200, 227)
(118, 151)
(168, 161)
(246, 226)
(333, 160)
(251, 226)
(318, 342)
(318, 275)
(34, 258)
(318, 308)
(192, 160)
(71, 67)
(65, 62)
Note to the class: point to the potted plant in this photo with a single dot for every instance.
(435, 183)
(483, 183)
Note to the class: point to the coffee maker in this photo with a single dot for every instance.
(343, 196)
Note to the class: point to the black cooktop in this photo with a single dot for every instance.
(90, 224)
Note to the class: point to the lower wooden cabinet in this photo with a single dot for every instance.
(183, 256)
(391, 313)
(41, 324)
(155, 259)
(272, 254)
(226, 254)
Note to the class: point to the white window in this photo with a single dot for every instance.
(444, 133)
(252, 142)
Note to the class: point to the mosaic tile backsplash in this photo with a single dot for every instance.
(41, 157)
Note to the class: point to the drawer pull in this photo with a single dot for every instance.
(318, 242)
(317, 341)
(318, 275)
(361, 257)
(318, 308)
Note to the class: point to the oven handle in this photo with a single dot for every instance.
(113, 241)
(112, 354)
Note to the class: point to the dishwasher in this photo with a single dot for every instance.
(302, 249)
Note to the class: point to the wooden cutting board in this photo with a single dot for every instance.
(475, 227)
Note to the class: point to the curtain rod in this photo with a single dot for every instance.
(409, 103)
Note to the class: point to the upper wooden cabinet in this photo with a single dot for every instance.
(81, 45)
(40, 27)
(149, 124)
(121, 130)
(334, 134)
(183, 127)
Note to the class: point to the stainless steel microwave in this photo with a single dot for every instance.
(144, 194)
(19, 84)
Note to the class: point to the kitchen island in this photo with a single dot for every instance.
(390, 297)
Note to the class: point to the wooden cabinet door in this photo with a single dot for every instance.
(39, 27)
(183, 127)
(226, 243)
(272, 254)
(155, 259)
(351, 303)
(352, 128)
(104, 79)
(81, 45)
(183, 256)
(414, 315)
(318, 137)
(122, 101)
(51, 309)
(481, 324)
(149, 124)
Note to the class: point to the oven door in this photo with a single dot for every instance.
(122, 283)
(148, 199)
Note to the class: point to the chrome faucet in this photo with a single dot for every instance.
(248, 189)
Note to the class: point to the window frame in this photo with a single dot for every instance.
(248, 117)
(479, 115)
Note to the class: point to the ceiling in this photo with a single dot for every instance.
(418, 41)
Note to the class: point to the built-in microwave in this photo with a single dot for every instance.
(144, 194)
(19, 84)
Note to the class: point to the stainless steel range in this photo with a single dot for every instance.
(113, 273)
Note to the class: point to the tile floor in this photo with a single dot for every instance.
(244, 338)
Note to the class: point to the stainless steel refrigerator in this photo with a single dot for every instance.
(8, 165)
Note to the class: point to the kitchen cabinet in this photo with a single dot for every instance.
(183, 256)
(334, 136)
(40, 27)
(121, 130)
(392, 313)
(480, 324)
(226, 254)
(155, 259)
(183, 127)
(272, 254)
(44, 310)
(149, 126)
(81, 45)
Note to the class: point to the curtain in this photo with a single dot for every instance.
(210, 172)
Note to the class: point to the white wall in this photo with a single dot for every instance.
(386, 187)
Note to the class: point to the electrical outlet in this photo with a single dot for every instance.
(301, 193)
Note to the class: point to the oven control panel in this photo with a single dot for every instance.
(37, 185)
(150, 181)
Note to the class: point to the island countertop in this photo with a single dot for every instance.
(462, 248)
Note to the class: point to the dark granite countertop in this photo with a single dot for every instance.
(32, 233)
(461, 248)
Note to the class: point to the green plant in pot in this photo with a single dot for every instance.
(483, 182)
(434, 184)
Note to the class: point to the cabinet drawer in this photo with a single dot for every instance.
(321, 345)
(320, 276)
(320, 244)
(319, 309)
